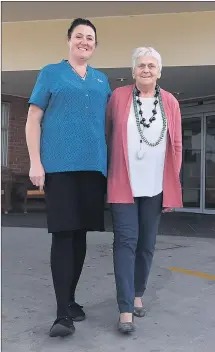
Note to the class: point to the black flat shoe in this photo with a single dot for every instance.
(125, 328)
(62, 327)
(139, 312)
(76, 312)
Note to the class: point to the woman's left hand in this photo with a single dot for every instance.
(167, 210)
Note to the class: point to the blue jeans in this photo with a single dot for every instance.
(135, 228)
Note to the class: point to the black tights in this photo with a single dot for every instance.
(68, 253)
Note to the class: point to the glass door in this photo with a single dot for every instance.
(209, 163)
(192, 161)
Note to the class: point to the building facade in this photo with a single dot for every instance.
(34, 34)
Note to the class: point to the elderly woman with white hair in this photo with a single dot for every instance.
(143, 130)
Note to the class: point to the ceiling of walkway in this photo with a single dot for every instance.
(189, 82)
(14, 11)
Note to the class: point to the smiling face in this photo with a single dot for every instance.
(82, 42)
(146, 71)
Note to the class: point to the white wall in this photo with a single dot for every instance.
(183, 39)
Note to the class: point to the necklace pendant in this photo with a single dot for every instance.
(140, 153)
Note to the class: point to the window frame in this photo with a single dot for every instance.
(5, 134)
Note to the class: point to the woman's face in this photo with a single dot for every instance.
(146, 71)
(82, 42)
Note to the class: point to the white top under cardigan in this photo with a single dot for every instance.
(146, 175)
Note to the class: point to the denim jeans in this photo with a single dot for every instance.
(135, 228)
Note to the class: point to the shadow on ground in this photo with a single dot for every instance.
(174, 224)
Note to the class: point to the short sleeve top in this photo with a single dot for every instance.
(73, 124)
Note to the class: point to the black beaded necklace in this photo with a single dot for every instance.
(141, 121)
(154, 110)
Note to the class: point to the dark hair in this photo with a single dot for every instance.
(78, 22)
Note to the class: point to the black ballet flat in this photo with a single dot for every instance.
(139, 312)
(125, 328)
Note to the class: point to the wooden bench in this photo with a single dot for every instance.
(6, 189)
(7, 177)
(32, 194)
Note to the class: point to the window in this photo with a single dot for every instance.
(4, 133)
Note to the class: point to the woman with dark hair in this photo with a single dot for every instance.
(65, 134)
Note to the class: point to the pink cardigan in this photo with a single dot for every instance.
(119, 189)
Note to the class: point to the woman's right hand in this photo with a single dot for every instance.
(37, 175)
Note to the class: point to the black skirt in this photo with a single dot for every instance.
(75, 201)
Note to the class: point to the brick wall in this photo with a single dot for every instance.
(18, 160)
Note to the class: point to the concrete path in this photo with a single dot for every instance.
(181, 307)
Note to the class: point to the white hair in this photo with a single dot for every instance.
(148, 51)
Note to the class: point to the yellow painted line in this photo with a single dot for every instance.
(193, 273)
